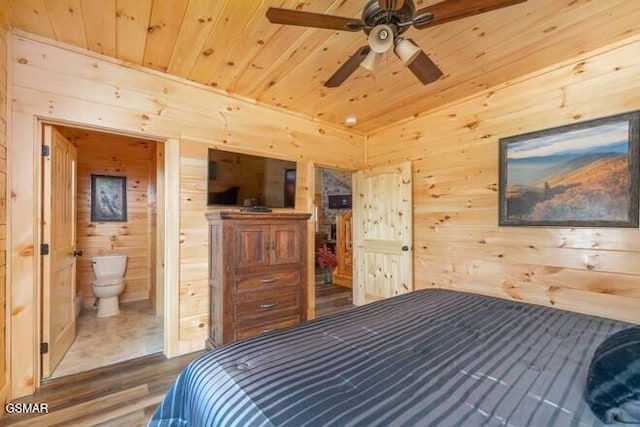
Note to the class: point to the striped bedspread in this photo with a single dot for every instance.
(428, 358)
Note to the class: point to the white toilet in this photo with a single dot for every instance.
(109, 283)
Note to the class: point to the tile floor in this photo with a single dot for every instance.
(135, 332)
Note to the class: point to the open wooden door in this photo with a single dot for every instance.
(383, 236)
(344, 250)
(59, 233)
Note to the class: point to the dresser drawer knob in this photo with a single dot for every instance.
(266, 306)
(267, 280)
(264, 331)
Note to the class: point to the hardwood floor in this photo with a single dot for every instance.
(332, 299)
(124, 394)
(127, 393)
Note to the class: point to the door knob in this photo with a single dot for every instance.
(77, 253)
(405, 248)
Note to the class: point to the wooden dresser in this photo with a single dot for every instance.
(257, 273)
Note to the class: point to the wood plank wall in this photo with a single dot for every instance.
(62, 83)
(454, 150)
(3, 207)
(108, 154)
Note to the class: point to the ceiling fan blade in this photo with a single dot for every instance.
(424, 69)
(391, 4)
(451, 10)
(309, 19)
(348, 67)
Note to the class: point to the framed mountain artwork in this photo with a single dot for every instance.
(580, 175)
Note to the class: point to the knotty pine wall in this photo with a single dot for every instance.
(108, 154)
(454, 150)
(65, 84)
(3, 207)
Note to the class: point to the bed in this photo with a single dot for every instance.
(430, 357)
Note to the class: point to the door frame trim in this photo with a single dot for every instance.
(28, 379)
(311, 207)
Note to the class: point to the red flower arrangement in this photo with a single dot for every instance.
(326, 258)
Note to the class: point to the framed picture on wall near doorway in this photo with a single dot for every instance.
(108, 198)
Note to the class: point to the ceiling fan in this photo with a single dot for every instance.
(385, 21)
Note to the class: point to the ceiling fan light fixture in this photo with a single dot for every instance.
(407, 51)
(381, 38)
(372, 61)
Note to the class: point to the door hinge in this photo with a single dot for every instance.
(45, 151)
(44, 347)
(44, 249)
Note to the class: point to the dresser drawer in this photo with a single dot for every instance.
(267, 304)
(268, 281)
(267, 327)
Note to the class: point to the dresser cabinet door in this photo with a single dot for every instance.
(252, 246)
(286, 240)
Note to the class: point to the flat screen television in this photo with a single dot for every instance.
(244, 180)
(340, 201)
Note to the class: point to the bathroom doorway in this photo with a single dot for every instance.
(133, 226)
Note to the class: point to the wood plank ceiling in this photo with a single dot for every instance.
(230, 45)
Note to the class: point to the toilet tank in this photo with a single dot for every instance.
(109, 265)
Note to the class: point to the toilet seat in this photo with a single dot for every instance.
(108, 281)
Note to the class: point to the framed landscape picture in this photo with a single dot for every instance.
(108, 198)
(584, 174)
